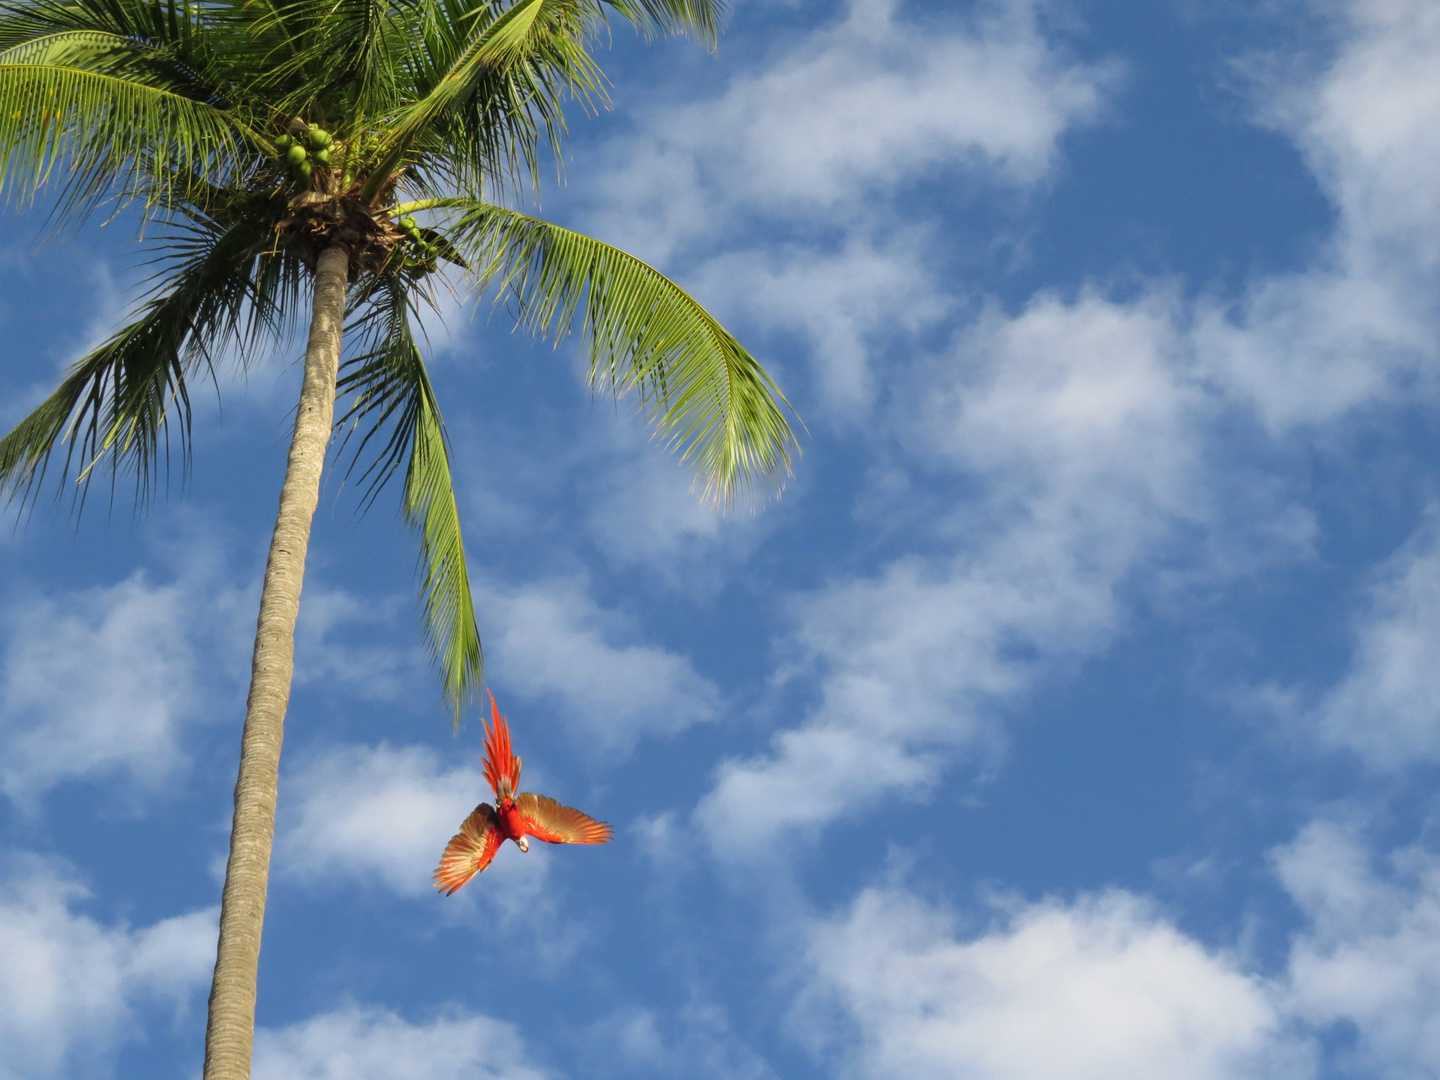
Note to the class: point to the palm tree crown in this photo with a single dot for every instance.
(254, 135)
(347, 148)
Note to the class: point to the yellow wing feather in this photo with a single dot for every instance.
(470, 850)
(546, 819)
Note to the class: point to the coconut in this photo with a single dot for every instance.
(319, 138)
(322, 156)
(283, 143)
(295, 155)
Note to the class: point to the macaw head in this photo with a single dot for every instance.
(523, 843)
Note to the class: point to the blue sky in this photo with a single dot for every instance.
(1072, 714)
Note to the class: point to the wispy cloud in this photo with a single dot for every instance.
(1386, 708)
(1084, 428)
(70, 986)
(551, 640)
(376, 813)
(1369, 955)
(102, 682)
(852, 111)
(1103, 987)
(1077, 425)
(381, 815)
(1359, 325)
(373, 1044)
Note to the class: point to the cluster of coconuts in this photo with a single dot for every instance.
(426, 253)
(303, 148)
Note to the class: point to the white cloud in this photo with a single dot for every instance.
(1100, 989)
(70, 986)
(1368, 121)
(638, 503)
(1107, 987)
(695, 1040)
(1082, 426)
(552, 640)
(1308, 348)
(322, 656)
(380, 813)
(1360, 325)
(647, 512)
(817, 143)
(1387, 707)
(370, 1044)
(1090, 395)
(852, 111)
(103, 682)
(99, 682)
(1370, 956)
(1077, 427)
(845, 305)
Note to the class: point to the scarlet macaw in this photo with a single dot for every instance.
(515, 816)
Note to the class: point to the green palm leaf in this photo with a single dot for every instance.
(391, 393)
(709, 398)
(699, 18)
(265, 143)
(86, 107)
(527, 58)
(117, 401)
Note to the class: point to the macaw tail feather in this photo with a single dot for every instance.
(502, 767)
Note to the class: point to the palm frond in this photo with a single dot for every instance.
(336, 59)
(170, 32)
(391, 397)
(710, 400)
(491, 79)
(117, 402)
(96, 113)
(700, 19)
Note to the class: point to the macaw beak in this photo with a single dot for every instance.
(523, 843)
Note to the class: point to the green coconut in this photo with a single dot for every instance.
(296, 155)
(319, 138)
(283, 143)
(307, 170)
(323, 156)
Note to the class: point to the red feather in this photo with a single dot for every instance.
(545, 819)
(470, 850)
(502, 767)
(519, 813)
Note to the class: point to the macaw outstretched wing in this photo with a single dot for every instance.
(502, 767)
(546, 819)
(470, 850)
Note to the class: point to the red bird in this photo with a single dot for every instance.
(515, 816)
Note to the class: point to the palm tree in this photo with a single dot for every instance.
(267, 145)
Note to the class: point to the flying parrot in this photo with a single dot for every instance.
(516, 815)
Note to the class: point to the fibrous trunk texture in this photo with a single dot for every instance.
(231, 1029)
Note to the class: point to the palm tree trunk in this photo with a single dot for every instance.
(231, 1030)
